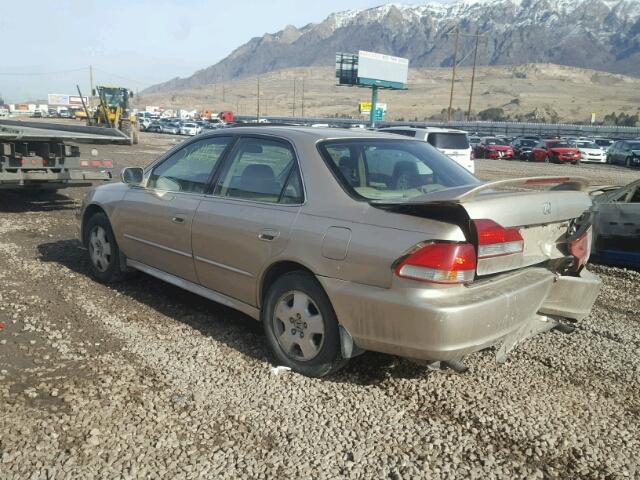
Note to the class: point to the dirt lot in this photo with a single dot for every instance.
(144, 380)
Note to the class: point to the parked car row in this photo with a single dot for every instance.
(175, 126)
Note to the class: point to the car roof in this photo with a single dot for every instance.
(308, 133)
(424, 129)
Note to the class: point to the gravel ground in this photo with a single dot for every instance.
(144, 380)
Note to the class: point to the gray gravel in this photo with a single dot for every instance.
(147, 381)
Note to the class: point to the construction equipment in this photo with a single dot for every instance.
(113, 111)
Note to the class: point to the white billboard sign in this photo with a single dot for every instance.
(378, 66)
(61, 99)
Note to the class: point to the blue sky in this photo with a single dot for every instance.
(48, 45)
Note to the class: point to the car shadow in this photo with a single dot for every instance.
(226, 325)
(22, 201)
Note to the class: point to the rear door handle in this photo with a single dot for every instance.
(177, 219)
(268, 235)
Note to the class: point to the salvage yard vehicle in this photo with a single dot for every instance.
(341, 241)
(522, 148)
(494, 148)
(453, 143)
(552, 150)
(625, 152)
(190, 128)
(590, 152)
(615, 217)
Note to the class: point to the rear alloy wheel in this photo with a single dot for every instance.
(301, 326)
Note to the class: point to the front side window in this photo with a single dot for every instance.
(263, 170)
(189, 169)
(374, 169)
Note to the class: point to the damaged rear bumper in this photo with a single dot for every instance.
(445, 324)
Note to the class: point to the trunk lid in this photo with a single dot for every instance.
(545, 219)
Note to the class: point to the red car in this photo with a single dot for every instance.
(555, 151)
(494, 148)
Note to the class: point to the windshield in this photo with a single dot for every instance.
(528, 143)
(586, 145)
(113, 98)
(375, 169)
(452, 141)
(494, 141)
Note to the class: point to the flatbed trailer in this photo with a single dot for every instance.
(48, 164)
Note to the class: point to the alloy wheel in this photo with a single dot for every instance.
(298, 325)
(99, 248)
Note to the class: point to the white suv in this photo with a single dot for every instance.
(453, 143)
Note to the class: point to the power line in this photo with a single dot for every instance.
(29, 74)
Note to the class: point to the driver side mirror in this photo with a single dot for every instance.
(132, 175)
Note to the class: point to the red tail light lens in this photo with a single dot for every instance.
(494, 240)
(96, 163)
(440, 263)
(107, 163)
(580, 248)
(84, 163)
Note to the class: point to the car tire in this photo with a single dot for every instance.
(546, 159)
(297, 314)
(102, 249)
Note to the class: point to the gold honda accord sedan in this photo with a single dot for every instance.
(341, 241)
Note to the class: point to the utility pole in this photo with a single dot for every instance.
(302, 106)
(90, 87)
(258, 106)
(453, 75)
(293, 110)
(473, 74)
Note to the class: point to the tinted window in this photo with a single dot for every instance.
(528, 143)
(452, 141)
(189, 169)
(634, 145)
(391, 169)
(258, 169)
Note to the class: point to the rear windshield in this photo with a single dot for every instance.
(603, 142)
(495, 141)
(406, 133)
(449, 141)
(586, 145)
(373, 169)
(559, 145)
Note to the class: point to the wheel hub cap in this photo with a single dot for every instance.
(298, 326)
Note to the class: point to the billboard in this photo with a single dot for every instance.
(365, 107)
(60, 99)
(378, 68)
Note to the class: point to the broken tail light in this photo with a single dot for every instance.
(440, 263)
(494, 240)
(580, 248)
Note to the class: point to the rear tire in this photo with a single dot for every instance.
(103, 250)
(301, 326)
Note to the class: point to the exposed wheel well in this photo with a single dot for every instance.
(90, 211)
(274, 272)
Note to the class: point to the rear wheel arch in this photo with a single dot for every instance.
(275, 271)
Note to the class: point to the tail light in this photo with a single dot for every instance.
(107, 163)
(440, 263)
(84, 163)
(580, 248)
(494, 240)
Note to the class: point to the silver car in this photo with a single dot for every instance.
(341, 241)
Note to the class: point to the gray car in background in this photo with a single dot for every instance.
(342, 241)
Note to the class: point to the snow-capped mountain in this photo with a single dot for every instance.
(597, 34)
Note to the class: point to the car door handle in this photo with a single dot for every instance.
(177, 219)
(268, 235)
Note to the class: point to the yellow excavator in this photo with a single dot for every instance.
(113, 111)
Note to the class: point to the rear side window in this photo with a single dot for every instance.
(373, 169)
(449, 141)
(263, 170)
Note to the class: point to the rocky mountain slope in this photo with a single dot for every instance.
(596, 34)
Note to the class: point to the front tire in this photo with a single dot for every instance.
(301, 326)
(104, 254)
